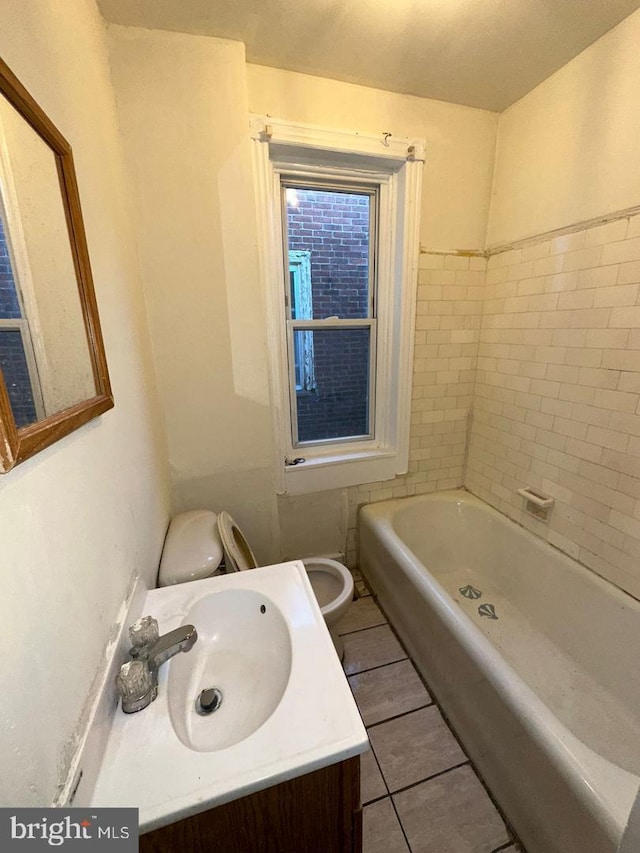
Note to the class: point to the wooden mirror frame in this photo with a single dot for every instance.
(18, 444)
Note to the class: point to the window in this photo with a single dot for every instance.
(338, 227)
(18, 365)
(330, 232)
(17, 358)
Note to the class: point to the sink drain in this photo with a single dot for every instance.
(208, 701)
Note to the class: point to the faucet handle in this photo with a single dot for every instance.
(144, 631)
(135, 685)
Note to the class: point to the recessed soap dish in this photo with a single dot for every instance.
(537, 504)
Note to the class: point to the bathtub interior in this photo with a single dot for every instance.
(569, 635)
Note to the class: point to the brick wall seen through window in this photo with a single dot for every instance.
(334, 227)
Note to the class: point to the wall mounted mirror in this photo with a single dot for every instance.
(53, 370)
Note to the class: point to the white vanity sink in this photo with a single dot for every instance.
(286, 705)
(244, 651)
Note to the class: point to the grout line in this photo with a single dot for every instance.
(377, 800)
(386, 787)
(437, 775)
(399, 716)
(513, 836)
(364, 628)
(377, 666)
(413, 664)
(395, 811)
(402, 830)
(514, 839)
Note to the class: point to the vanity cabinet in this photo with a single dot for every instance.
(316, 813)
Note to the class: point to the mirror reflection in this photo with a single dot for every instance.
(44, 351)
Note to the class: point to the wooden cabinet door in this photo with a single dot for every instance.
(316, 813)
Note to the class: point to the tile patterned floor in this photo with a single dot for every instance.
(420, 791)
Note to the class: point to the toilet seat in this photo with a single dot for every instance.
(331, 582)
(238, 556)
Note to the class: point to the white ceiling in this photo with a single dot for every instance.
(482, 53)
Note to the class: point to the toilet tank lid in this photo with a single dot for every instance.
(192, 548)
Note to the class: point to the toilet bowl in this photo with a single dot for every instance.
(196, 541)
(332, 584)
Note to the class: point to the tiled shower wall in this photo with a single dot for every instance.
(556, 401)
(448, 315)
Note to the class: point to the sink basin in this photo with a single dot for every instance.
(243, 650)
(286, 710)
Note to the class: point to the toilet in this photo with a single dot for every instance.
(197, 541)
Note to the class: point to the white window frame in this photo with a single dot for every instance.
(30, 330)
(306, 325)
(311, 153)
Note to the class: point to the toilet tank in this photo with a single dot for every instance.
(192, 548)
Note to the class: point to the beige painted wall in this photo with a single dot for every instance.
(460, 143)
(183, 110)
(82, 516)
(568, 151)
(557, 396)
(184, 103)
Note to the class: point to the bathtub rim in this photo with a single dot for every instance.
(604, 786)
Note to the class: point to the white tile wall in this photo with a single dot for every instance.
(448, 315)
(538, 352)
(557, 395)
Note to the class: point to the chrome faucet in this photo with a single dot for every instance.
(137, 681)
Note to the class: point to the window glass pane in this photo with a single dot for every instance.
(304, 361)
(338, 405)
(16, 376)
(332, 230)
(13, 360)
(9, 302)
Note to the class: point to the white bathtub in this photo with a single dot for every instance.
(546, 697)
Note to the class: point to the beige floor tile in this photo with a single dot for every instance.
(369, 648)
(414, 747)
(363, 613)
(450, 814)
(362, 590)
(381, 831)
(386, 692)
(371, 782)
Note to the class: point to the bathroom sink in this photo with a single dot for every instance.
(286, 709)
(244, 651)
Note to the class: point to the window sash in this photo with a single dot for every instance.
(327, 325)
(21, 324)
(335, 184)
(288, 181)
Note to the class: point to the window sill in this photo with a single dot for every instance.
(338, 471)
